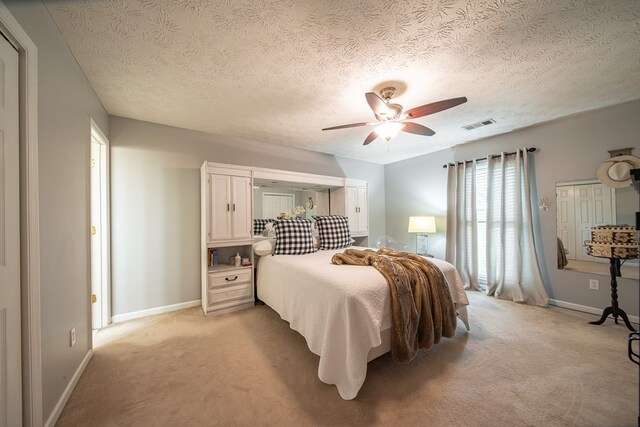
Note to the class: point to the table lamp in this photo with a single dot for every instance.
(422, 225)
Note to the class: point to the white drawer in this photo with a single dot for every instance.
(229, 277)
(223, 294)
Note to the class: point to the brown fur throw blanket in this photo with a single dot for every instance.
(422, 310)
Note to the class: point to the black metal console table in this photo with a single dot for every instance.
(613, 309)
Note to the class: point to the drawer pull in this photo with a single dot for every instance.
(231, 280)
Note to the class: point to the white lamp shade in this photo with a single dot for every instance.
(388, 130)
(422, 224)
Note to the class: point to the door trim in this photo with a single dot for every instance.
(29, 219)
(105, 225)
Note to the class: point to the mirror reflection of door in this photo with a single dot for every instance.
(273, 204)
(582, 206)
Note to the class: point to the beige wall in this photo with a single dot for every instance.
(155, 203)
(569, 149)
(65, 103)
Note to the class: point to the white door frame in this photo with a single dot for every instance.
(29, 219)
(105, 223)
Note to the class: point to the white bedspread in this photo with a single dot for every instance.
(339, 309)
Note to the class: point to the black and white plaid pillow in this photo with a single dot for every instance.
(258, 225)
(333, 231)
(293, 237)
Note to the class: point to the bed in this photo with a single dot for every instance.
(342, 311)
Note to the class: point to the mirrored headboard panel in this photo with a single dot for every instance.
(585, 204)
(272, 198)
(293, 193)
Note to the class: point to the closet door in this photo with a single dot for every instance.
(602, 212)
(241, 207)
(566, 220)
(583, 219)
(592, 208)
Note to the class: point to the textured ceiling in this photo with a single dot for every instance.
(279, 71)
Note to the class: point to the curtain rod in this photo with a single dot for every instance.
(529, 150)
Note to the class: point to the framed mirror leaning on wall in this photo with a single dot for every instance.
(585, 204)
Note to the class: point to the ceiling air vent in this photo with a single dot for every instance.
(479, 124)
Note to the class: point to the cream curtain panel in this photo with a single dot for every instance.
(490, 228)
(462, 224)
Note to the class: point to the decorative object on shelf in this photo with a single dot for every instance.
(237, 260)
(310, 204)
(616, 171)
(296, 212)
(246, 261)
(422, 225)
(214, 257)
(544, 203)
(615, 242)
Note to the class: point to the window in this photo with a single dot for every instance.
(490, 212)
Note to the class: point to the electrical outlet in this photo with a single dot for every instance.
(594, 284)
(72, 337)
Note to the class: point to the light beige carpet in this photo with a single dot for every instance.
(519, 366)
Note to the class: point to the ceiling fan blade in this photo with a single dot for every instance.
(352, 125)
(417, 129)
(370, 138)
(435, 107)
(376, 103)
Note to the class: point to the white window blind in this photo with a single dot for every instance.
(487, 214)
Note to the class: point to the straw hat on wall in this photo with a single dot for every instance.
(616, 171)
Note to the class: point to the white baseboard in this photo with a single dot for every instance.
(586, 309)
(157, 310)
(53, 418)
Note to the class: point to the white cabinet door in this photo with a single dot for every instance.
(220, 205)
(363, 210)
(229, 208)
(352, 209)
(241, 207)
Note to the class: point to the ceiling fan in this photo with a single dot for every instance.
(391, 118)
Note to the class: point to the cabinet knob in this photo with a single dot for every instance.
(231, 280)
(234, 207)
(227, 207)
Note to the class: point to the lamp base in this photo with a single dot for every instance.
(422, 244)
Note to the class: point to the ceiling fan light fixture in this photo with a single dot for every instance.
(388, 130)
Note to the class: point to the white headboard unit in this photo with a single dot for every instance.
(298, 177)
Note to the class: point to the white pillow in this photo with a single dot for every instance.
(269, 229)
(264, 247)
